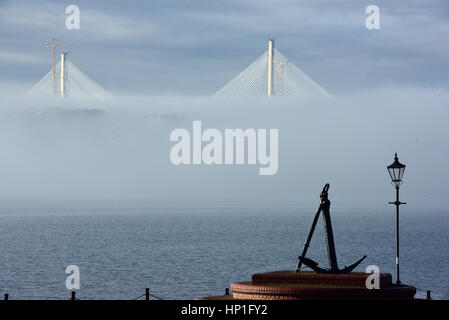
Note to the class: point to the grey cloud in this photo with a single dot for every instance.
(194, 47)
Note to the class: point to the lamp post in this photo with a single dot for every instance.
(396, 171)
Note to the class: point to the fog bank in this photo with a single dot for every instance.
(119, 150)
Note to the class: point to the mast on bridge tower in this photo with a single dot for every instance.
(53, 45)
(270, 67)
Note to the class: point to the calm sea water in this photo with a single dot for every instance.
(183, 254)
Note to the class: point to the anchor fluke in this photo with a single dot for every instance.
(352, 266)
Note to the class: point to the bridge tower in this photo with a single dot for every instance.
(270, 66)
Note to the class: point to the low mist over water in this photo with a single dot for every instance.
(119, 149)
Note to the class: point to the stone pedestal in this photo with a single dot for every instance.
(291, 285)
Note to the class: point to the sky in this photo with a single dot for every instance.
(162, 60)
(195, 47)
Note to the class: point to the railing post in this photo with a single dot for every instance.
(73, 298)
(227, 292)
(6, 296)
(428, 297)
(147, 294)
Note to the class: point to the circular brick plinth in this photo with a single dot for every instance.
(278, 291)
(354, 279)
(305, 285)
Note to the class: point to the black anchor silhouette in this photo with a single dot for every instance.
(324, 208)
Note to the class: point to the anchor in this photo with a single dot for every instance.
(324, 209)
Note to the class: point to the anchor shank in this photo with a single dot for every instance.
(331, 254)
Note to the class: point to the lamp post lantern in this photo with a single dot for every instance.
(396, 171)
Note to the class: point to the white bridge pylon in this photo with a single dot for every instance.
(284, 78)
(71, 81)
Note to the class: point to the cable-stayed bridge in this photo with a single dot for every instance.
(65, 79)
(272, 74)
